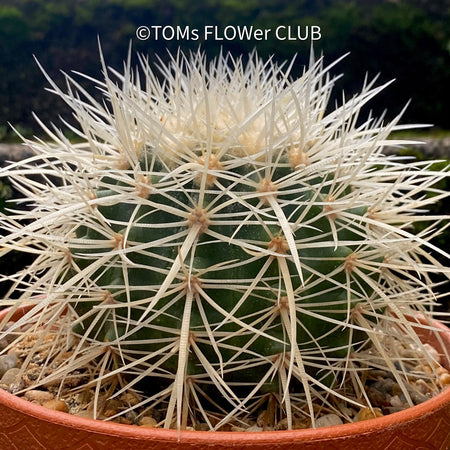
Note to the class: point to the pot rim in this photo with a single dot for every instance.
(439, 401)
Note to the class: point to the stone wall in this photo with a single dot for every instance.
(13, 152)
(430, 148)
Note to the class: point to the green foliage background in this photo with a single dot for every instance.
(405, 40)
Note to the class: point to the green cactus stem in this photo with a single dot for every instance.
(220, 234)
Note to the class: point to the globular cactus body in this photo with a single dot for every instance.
(233, 269)
(222, 233)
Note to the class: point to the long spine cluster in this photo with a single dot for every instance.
(222, 232)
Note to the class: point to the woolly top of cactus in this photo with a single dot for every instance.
(218, 222)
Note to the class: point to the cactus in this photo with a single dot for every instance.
(222, 233)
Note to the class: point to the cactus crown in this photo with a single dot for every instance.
(222, 233)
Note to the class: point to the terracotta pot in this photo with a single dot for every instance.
(26, 426)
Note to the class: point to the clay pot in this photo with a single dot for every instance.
(25, 425)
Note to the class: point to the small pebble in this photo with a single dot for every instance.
(423, 387)
(110, 412)
(445, 379)
(130, 398)
(395, 389)
(131, 416)
(56, 405)
(300, 424)
(282, 424)
(254, 428)
(328, 420)
(396, 402)
(433, 353)
(426, 368)
(389, 375)
(378, 373)
(112, 407)
(265, 420)
(39, 397)
(390, 386)
(113, 404)
(383, 385)
(376, 397)
(7, 362)
(417, 397)
(11, 377)
(393, 409)
(3, 343)
(121, 419)
(86, 413)
(367, 413)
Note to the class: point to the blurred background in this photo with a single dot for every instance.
(408, 40)
(405, 40)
